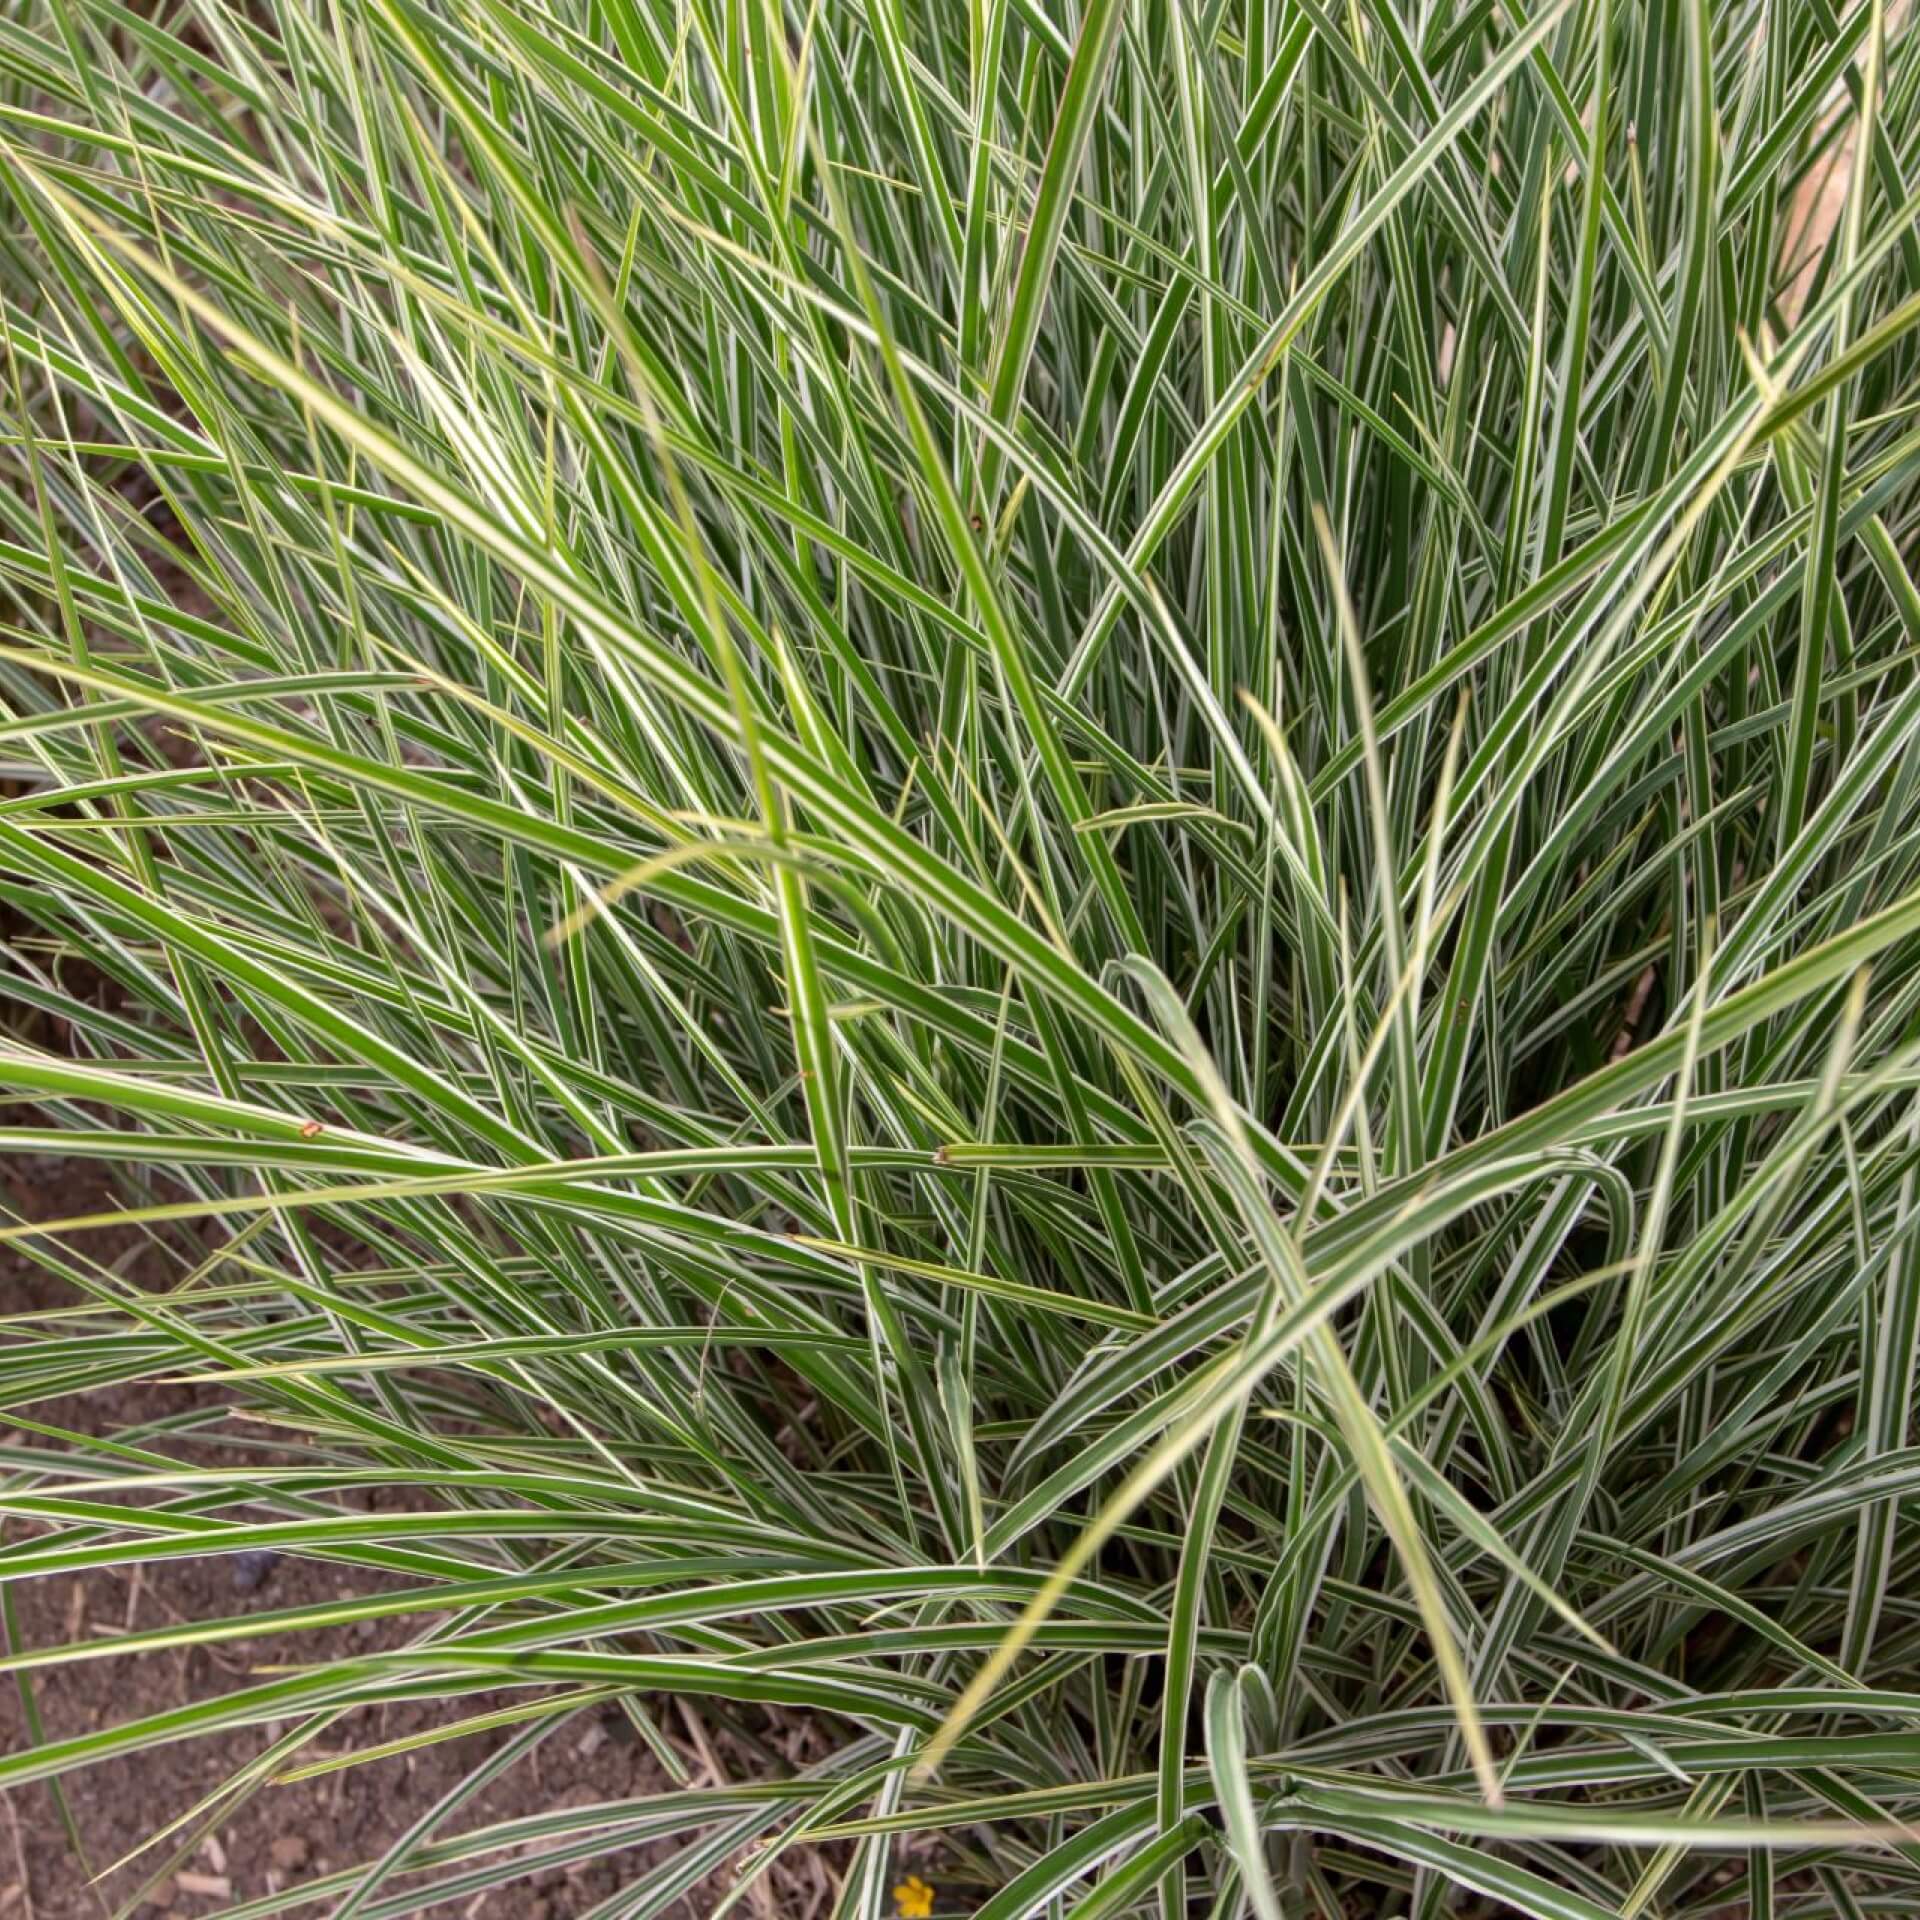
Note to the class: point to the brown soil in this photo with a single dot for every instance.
(283, 1833)
(303, 1829)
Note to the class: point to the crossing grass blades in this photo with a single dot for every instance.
(1044, 877)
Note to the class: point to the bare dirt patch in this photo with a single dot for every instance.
(282, 1834)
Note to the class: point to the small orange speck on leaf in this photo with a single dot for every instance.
(914, 1898)
(309, 1129)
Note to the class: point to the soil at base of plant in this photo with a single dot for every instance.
(282, 1834)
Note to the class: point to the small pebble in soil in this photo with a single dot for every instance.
(253, 1569)
(290, 1852)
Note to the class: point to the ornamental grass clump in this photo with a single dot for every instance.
(1041, 879)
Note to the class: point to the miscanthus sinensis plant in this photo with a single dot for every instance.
(1043, 874)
